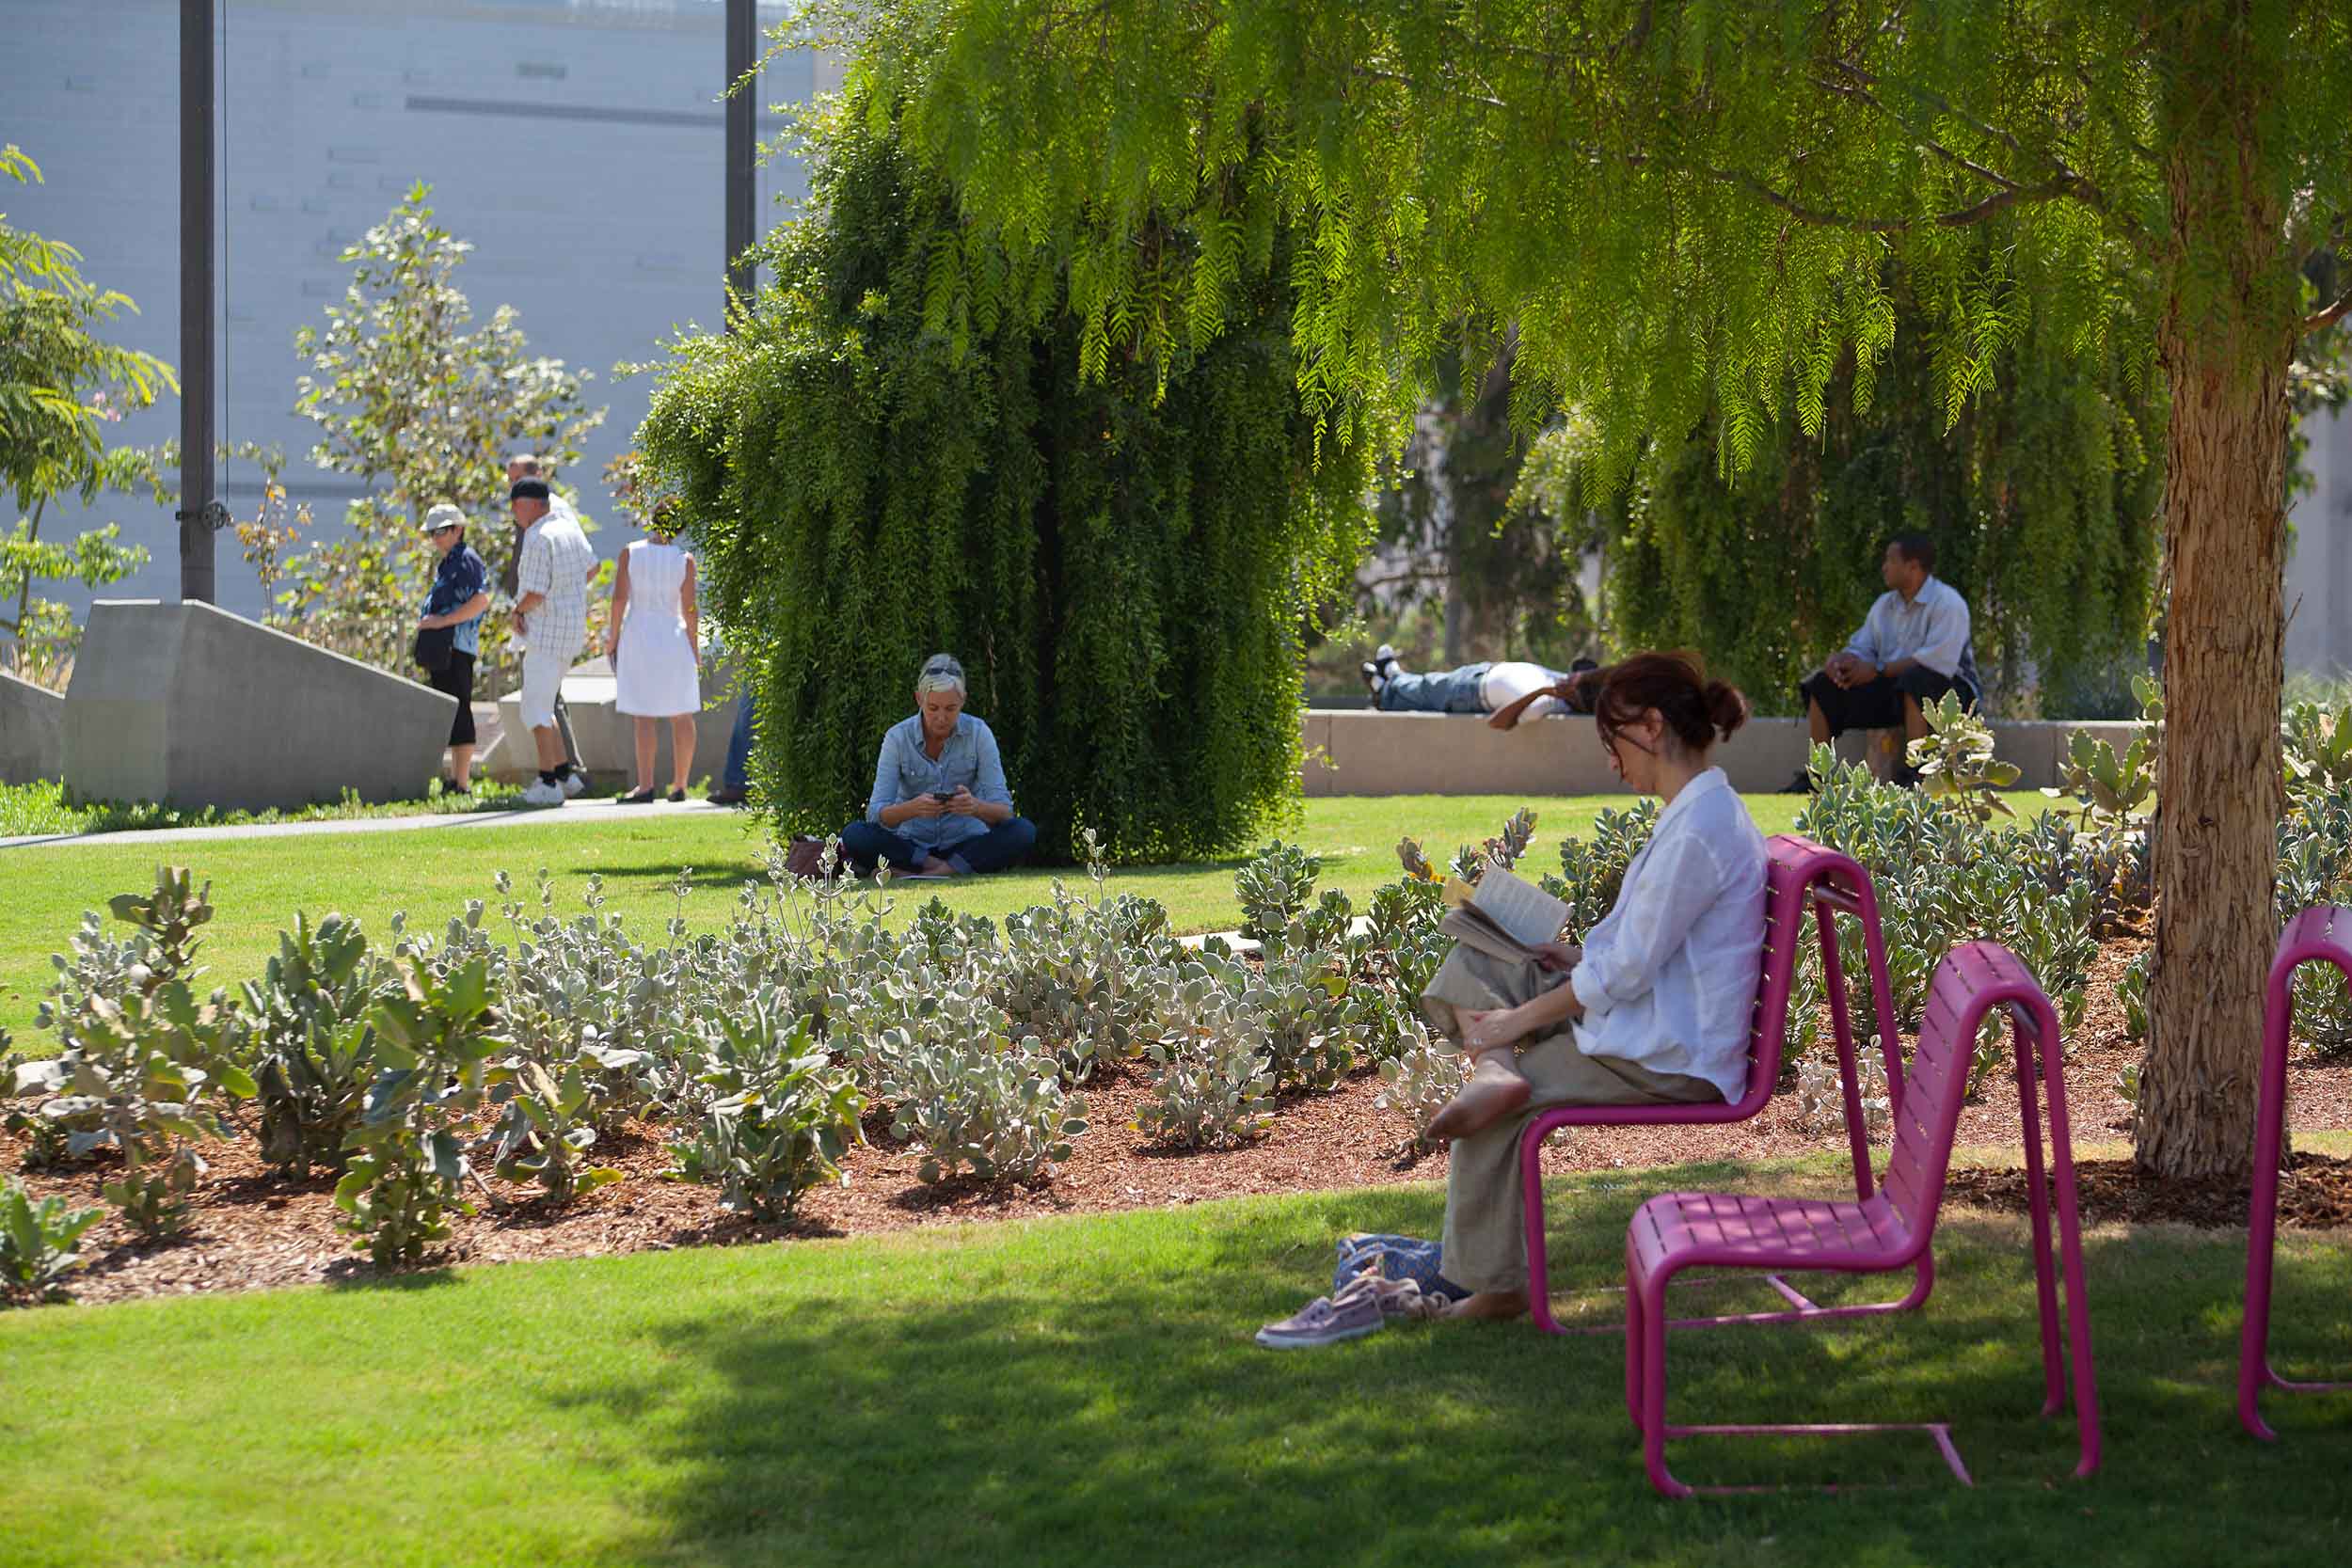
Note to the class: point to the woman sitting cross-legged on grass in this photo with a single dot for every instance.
(1655, 1006)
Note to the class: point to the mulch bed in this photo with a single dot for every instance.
(2314, 1191)
(254, 1228)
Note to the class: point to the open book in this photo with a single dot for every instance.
(1504, 916)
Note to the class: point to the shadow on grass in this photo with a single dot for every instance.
(1089, 1395)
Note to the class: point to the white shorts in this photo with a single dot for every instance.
(543, 681)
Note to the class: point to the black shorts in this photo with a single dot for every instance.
(1879, 705)
(456, 678)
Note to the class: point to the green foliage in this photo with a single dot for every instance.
(2315, 744)
(60, 381)
(37, 1243)
(408, 1163)
(780, 1117)
(873, 471)
(419, 402)
(1955, 761)
(312, 1047)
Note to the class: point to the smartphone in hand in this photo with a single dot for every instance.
(943, 795)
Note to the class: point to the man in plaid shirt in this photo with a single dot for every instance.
(552, 619)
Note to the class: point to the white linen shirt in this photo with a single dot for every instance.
(1668, 977)
(1931, 629)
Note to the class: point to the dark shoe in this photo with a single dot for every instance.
(1801, 784)
(1904, 777)
(451, 787)
(727, 797)
(637, 798)
(678, 797)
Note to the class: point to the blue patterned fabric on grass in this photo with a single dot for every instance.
(1394, 1257)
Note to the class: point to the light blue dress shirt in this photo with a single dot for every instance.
(905, 771)
(1931, 629)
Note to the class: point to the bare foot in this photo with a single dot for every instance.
(1499, 1305)
(934, 866)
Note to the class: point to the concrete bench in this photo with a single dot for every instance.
(607, 737)
(1366, 752)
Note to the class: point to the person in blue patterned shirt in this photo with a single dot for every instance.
(460, 597)
(940, 807)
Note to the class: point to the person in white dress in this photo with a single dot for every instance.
(654, 641)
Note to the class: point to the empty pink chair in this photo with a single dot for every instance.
(1799, 871)
(1888, 1230)
(2319, 935)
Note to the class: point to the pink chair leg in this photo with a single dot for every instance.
(1531, 1217)
(2262, 1219)
(2087, 1430)
(1841, 1032)
(2038, 1204)
(1652, 1308)
(1633, 1343)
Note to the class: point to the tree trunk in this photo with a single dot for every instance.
(2219, 793)
(2226, 338)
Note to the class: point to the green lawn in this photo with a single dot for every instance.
(257, 884)
(1083, 1391)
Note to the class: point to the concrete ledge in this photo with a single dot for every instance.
(32, 733)
(1367, 752)
(607, 738)
(189, 705)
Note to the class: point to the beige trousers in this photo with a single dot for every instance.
(1485, 1243)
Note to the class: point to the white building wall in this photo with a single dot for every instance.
(576, 143)
(2319, 564)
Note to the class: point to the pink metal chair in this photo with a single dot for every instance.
(2318, 934)
(1887, 1231)
(1836, 885)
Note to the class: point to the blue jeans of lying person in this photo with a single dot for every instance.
(867, 843)
(1460, 690)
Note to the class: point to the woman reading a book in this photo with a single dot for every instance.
(1652, 1008)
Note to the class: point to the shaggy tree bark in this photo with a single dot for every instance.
(2227, 338)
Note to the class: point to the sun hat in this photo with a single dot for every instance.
(443, 516)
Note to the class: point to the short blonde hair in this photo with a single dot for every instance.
(940, 672)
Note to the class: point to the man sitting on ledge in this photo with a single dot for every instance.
(1912, 648)
(1506, 692)
(940, 807)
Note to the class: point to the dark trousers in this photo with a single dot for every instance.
(456, 678)
(1879, 705)
(867, 843)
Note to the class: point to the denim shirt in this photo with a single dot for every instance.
(905, 771)
(456, 580)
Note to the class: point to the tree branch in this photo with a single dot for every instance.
(2320, 321)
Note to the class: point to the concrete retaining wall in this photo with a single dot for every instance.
(607, 738)
(189, 706)
(32, 731)
(1437, 754)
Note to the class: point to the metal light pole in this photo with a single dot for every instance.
(201, 514)
(741, 181)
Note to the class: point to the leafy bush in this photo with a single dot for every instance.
(1421, 1079)
(37, 1243)
(1215, 1087)
(1592, 871)
(995, 1106)
(1955, 761)
(1273, 887)
(779, 1119)
(407, 1163)
(312, 1048)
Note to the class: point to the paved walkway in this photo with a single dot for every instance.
(583, 816)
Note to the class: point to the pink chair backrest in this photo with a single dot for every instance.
(1788, 873)
(1974, 979)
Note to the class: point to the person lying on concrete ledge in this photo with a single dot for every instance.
(1505, 692)
(940, 807)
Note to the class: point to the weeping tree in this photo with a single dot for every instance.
(2041, 493)
(1682, 204)
(880, 460)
